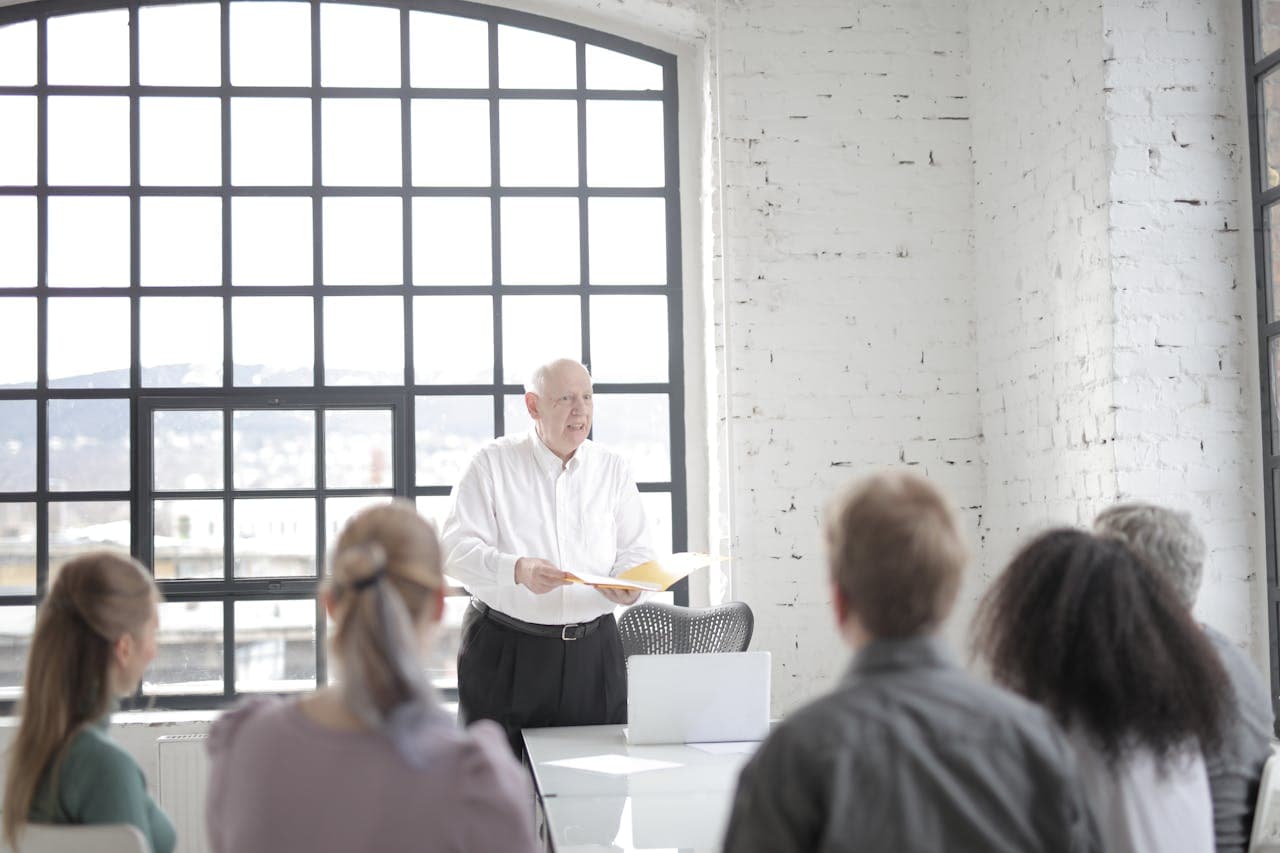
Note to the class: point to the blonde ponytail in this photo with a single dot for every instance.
(385, 581)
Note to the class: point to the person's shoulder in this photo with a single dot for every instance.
(484, 750)
(92, 750)
(248, 714)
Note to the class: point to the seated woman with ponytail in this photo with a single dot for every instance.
(374, 762)
(95, 637)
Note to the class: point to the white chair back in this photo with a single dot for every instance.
(1265, 837)
(99, 838)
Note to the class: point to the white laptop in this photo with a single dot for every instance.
(697, 698)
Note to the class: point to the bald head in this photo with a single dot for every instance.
(561, 368)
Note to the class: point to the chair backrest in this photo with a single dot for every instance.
(1265, 837)
(653, 628)
(98, 838)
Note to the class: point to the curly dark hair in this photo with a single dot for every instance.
(1078, 624)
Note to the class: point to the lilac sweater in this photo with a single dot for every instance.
(280, 783)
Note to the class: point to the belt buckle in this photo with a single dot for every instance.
(572, 632)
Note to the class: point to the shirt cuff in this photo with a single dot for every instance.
(507, 570)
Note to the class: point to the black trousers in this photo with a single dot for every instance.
(524, 681)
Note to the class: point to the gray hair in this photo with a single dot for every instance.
(1165, 539)
(537, 381)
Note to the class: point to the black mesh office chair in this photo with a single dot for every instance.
(665, 629)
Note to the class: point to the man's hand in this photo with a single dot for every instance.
(539, 576)
(620, 596)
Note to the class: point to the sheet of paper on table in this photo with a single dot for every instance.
(614, 765)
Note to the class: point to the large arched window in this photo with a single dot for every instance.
(262, 263)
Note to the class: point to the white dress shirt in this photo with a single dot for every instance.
(518, 499)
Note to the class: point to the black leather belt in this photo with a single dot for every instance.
(564, 632)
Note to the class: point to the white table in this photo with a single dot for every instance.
(681, 808)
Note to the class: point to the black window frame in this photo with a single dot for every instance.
(143, 400)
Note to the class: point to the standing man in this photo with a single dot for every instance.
(1168, 542)
(538, 650)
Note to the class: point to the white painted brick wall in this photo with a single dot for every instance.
(1186, 397)
(847, 205)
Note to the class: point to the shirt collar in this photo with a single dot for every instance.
(549, 462)
(887, 655)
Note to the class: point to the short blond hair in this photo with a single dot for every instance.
(895, 553)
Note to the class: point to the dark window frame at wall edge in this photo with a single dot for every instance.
(1255, 70)
(228, 394)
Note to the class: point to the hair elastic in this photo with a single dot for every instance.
(368, 581)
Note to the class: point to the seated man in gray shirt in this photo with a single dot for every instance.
(908, 753)
(1168, 542)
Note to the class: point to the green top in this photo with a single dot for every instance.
(99, 782)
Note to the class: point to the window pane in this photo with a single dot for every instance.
(17, 550)
(364, 340)
(1271, 130)
(17, 446)
(18, 142)
(271, 241)
(657, 512)
(181, 241)
(539, 143)
(179, 45)
(189, 541)
(540, 241)
(186, 450)
(88, 445)
(88, 242)
(17, 341)
(629, 338)
(1268, 26)
(88, 343)
(275, 537)
(17, 624)
(608, 69)
(532, 60)
(181, 341)
(452, 241)
(625, 144)
(361, 142)
(357, 449)
(274, 449)
(77, 527)
(18, 54)
(448, 432)
(275, 646)
(91, 48)
(270, 44)
(181, 141)
(1274, 347)
(18, 241)
(628, 240)
(338, 511)
(1271, 246)
(637, 426)
(363, 241)
(270, 141)
(272, 340)
(450, 143)
(452, 339)
(434, 508)
(88, 140)
(188, 650)
(515, 414)
(359, 45)
(447, 51)
(536, 330)
(442, 657)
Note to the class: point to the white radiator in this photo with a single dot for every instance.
(183, 783)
